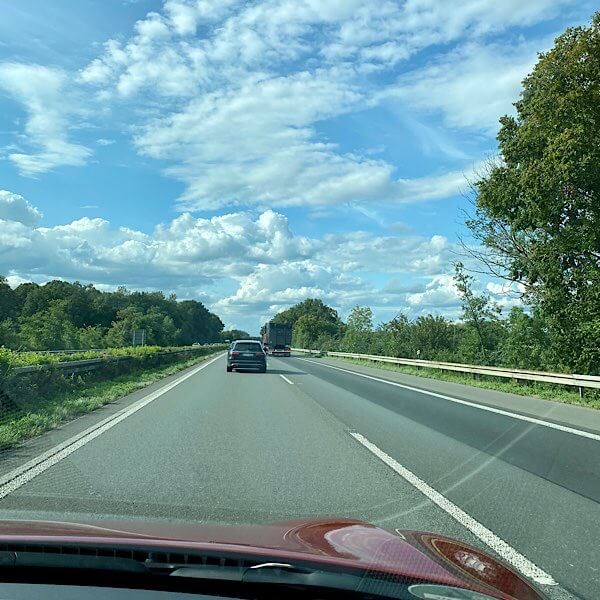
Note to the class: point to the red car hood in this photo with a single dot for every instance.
(344, 543)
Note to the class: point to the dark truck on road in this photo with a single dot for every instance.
(276, 338)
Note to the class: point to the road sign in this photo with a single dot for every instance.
(138, 337)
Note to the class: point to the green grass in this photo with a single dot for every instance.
(10, 358)
(50, 413)
(547, 391)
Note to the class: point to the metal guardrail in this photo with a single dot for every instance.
(573, 380)
(89, 364)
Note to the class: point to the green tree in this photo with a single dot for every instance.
(48, 329)
(120, 332)
(234, 334)
(394, 338)
(432, 338)
(526, 344)
(538, 209)
(314, 324)
(359, 327)
(91, 337)
(481, 316)
(7, 300)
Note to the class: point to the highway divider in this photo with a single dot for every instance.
(567, 379)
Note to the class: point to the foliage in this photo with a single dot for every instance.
(314, 324)
(359, 327)
(482, 336)
(234, 334)
(63, 316)
(538, 209)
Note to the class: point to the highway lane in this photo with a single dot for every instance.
(473, 458)
(253, 448)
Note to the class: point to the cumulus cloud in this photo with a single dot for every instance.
(243, 264)
(15, 208)
(42, 92)
(440, 292)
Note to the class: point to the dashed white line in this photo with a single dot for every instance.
(499, 411)
(508, 553)
(26, 472)
(286, 379)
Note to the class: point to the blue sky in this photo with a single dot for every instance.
(250, 154)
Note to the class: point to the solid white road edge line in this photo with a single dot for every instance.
(26, 472)
(286, 379)
(499, 411)
(508, 553)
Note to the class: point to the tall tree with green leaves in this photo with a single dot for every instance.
(359, 326)
(538, 208)
(480, 314)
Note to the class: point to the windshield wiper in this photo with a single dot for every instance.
(295, 575)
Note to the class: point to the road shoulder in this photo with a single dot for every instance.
(14, 457)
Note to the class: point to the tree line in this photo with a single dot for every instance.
(521, 339)
(60, 315)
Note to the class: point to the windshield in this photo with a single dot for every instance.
(266, 261)
(247, 346)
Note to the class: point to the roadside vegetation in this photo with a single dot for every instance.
(33, 405)
(10, 358)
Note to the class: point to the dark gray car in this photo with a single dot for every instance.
(246, 354)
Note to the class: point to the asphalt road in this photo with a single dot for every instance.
(312, 438)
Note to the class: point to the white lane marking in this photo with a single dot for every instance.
(499, 411)
(26, 472)
(286, 379)
(508, 553)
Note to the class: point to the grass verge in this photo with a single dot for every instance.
(547, 391)
(52, 412)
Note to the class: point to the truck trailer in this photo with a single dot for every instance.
(277, 338)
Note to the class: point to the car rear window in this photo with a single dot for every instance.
(248, 347)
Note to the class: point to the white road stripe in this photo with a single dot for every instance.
(286, 379)
(26, 472)
(499, 411)
(508, 553)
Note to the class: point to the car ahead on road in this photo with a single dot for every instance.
(246, 354)
(306, 559)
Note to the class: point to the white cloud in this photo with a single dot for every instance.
(256, 145)
(440, 292)
(243, 264)
(41, 91)
(242, 87)
(414, 25)
(15, 208)
(364, 252)
(104, 142)
(472, 86)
